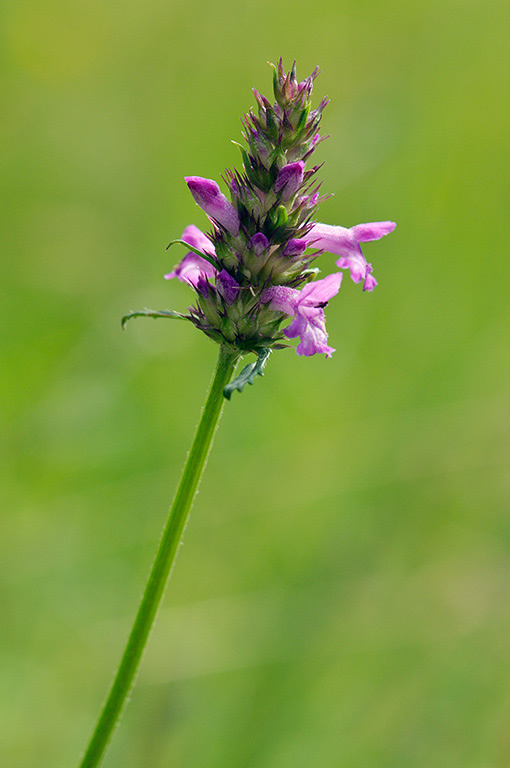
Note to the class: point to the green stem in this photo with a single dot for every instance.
(164, 559)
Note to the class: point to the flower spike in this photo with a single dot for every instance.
(254, 287)
(252, 275)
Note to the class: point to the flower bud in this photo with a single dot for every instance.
(227, 286)
(289, 180)
(295, 247)
(259, 243)
(208, 196)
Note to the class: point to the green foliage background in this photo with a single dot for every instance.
(341, 598)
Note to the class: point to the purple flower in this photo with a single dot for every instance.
(345, 243)
(307, 308)
(193, 266)
(209, 197)
(227, 286)
(289, 180)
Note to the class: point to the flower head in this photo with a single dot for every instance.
(252, 274)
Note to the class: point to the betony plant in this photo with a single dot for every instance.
(255, 288)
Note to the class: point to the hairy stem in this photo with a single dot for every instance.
(163, 561)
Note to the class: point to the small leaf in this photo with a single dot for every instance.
(248, 374)
(205, 256)
(153, 313)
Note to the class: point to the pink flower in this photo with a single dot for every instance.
(193, 267)
(307, 308)
(345, 243)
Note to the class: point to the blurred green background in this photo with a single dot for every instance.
(342, 595)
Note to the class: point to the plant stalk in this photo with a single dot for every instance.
(163, 561)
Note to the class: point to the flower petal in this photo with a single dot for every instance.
(363, 233)
(370, 281)
(195, 237)
(327, 237)
(289, 179)
(356, 263)
(282, 299)
(192, 265)
(320, 291)
(190, 269)
(313, 335)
